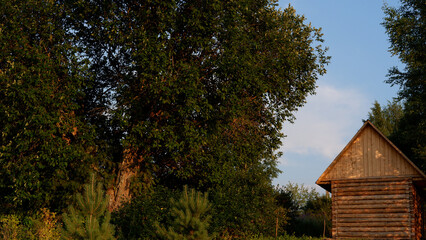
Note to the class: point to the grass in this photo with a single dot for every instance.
(285, 237)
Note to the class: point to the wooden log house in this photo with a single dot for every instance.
(377, 192)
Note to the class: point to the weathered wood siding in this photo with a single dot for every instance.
(418, 213)
(374, 194)
(375, 209)
(370, 155)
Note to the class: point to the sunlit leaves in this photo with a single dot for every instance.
(43, 139)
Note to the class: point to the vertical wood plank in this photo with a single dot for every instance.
(390, 161)
(351, 171)
(386, 159)
(369, 157)
(404, 167)
(374, 153)
(359, 158)
(394, 162)
(381, 160)
(364, 153)
(398, 163)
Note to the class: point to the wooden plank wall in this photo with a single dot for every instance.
(373, 209)
(418, 213)
(370, 155)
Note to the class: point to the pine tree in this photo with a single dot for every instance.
(190, 218)
(90, 219)
(386, 118)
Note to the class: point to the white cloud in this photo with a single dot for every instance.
(326, 123)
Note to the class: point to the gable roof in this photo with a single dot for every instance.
(369, 154)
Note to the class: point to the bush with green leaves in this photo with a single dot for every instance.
(90, 218)
(43, 225)
(136, 220)
(191, 220)
(309, 214)
(244, 206)
(318, 215)
(41, 118)
(10, 227)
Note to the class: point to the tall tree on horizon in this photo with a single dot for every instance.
(406, 28)
(386, 118)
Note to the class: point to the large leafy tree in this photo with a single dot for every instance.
(173, 92)
(200, 88)
(406, 29)
(44, 144)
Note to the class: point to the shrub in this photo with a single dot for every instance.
(308, 225)
(45, 226)
(10, 227)
(136, 220)
(90, 219)
(191, 220)
(283, 237)
(244, 206)
(41, 226)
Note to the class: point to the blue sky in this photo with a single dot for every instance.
(355, 78)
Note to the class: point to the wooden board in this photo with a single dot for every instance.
(369, 155)
(373, 195)
(373, 209)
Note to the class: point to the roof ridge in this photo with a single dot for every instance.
(321, 180)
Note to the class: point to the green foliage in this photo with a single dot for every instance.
(41, 226)
(45, 226)
(200, 90)
(44, 150)
(283, 237)
(318, 211)
(284, 199)
(405, 27)
(10, 227)
(194, 92)
(301, 194)
(243, 206)
(308, 225)
(201, 86)
(137, 219)
(90, 219)
(308, 213)
(191, 220)
(386, 118)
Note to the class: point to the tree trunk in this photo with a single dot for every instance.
(120, 192)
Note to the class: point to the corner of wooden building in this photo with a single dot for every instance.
(377, 192)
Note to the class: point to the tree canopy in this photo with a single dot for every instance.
(45, 144)
(405, 27)
(386, 118)
(149, 93)
(201, 88)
